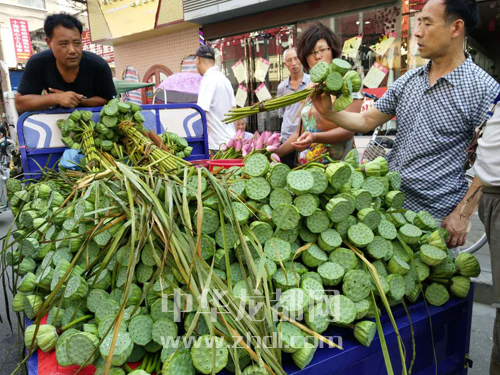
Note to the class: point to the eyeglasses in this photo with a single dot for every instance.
(319, 52)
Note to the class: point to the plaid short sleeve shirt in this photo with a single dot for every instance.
(435, 125)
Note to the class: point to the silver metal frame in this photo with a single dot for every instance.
(483, 240)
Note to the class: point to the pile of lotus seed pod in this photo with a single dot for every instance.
(331, 245)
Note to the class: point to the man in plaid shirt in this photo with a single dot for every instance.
(438, 107)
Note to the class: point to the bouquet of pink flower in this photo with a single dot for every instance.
(240, 148)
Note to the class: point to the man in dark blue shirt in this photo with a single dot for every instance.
(68, 76)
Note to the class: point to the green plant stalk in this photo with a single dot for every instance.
(269, 105)
(383, 343)
(76, 321)
(413, 343)
(375, 277)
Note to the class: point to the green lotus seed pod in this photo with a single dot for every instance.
(424, 221)
(202, 354)
(467, 265)
(27, 283)
(355, 80)
(432, 256)
(376, 168)
(410, 233)
(18, 302)
(340, 65)
(29, 337)
(460, 286)
(395, 199)
(436, 294)
(362, 308)
(436, 239)
(414, 294)
(319, 72)
(291, 337)
(338, 174)
(364, 332)
(47, 337)
(444, 270)
(26, 265)
(55, 316)
(304, 355)
(398, 266)
(32, 305)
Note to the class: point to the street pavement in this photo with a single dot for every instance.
(9, 348)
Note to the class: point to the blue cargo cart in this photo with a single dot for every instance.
(40, 139)
(450, 333)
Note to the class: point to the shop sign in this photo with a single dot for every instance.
(106, 52)
(22, 40)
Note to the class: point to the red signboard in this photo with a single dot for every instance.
(22, 40)
(106, 52)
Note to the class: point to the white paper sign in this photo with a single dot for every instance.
(375, 76)
(351, 47)
(241, 96)
(382, 47)
(262, 92)
(239, 71)
(261, 68)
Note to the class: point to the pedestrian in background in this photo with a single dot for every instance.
(298, 80)
(216, 98)
(316, 136)
(487, 168)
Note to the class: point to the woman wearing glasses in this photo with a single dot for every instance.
(317, 43)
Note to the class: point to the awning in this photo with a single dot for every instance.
(124, 86)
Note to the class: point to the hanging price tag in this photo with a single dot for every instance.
(351, 47)
(261, 68)
(382, 47)
(241, 96)
(375, 76)
(239, 71)
(262, 92)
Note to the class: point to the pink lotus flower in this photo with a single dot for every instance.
(259, 144)
(231, 143)
(274, 139)
(272, 148)
(223, 147)
(264, 137)
(246, 149)
(238, 145)
(275, 158)
(256, 135)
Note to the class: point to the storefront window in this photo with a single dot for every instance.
(371, 37)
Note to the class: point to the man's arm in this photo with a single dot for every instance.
(25, 103)
(32, 102)
(457, 222)
(354, 122)
(95, 101)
